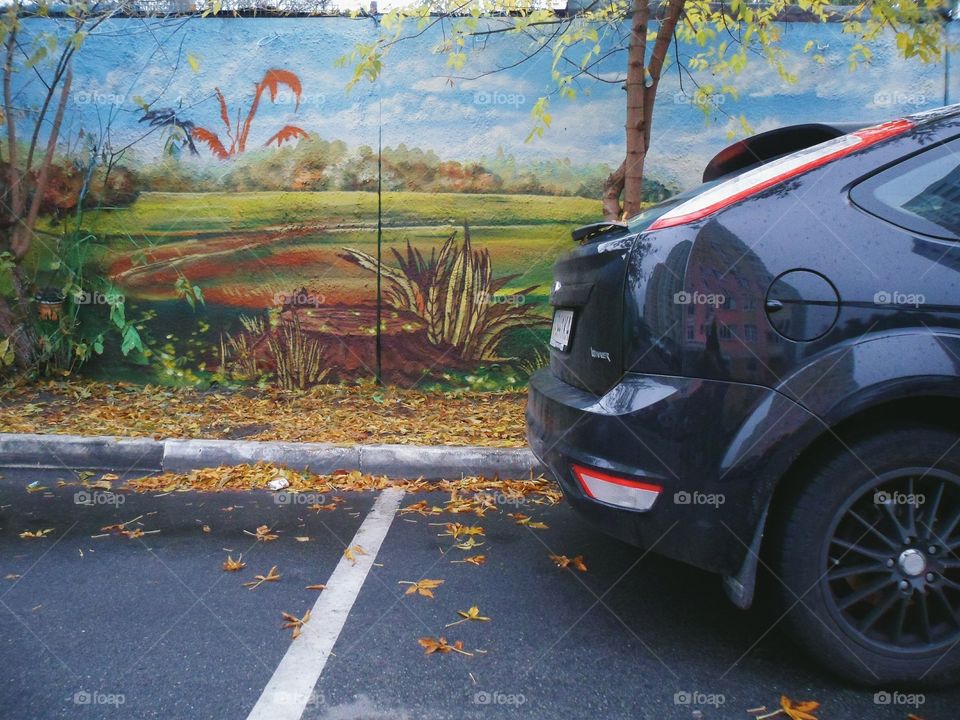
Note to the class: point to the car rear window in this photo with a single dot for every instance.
(921, 194)
(641, 221)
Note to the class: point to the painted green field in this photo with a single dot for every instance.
(244, 248)
(172, 214)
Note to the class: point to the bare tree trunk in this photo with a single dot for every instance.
(611, 194)
(641, 97)
(23, 233)
(658, 56)
(13, 312)
(13, 172)
(636, 126)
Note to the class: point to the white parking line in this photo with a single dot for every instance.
(286, 695)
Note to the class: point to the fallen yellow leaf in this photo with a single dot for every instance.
(423, 587)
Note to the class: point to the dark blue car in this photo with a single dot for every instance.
(764, 372)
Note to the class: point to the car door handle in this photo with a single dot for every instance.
(773, 306)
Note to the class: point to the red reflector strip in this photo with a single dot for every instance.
(775, 172)
(615, 489)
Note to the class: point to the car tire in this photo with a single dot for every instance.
(867, 579)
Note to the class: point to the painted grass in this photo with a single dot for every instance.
(172, 214)
(254, 274)
(245, 248)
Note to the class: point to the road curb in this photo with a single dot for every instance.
(123, 455)
(79, 452)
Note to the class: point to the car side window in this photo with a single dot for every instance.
(921, 194)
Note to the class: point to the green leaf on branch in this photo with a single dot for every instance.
(6, 353)
(117, 314)
(131, 340)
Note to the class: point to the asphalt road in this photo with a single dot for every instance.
(152, 627)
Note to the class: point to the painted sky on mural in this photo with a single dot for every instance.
(420, 105)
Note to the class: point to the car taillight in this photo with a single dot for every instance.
(772, 173)
(616, 489)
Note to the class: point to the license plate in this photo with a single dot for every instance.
(562, 325)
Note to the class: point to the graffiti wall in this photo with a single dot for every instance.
(234, 191)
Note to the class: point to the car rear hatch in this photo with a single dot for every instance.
(587, 298)
(587, 340)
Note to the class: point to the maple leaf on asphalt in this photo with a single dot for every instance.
(422, 587)
(527, 521)
(472, 614)
(316, 507)
(469, 544)
(799, 710)
(271, 576)
(548, 496)
(231, 565)
(26, 534)
(263, 534)
(420, 508)
(292, 621)
(477, 560)
(562, 561)
(456, 530)
(434, 645)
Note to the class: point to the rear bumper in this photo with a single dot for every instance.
(690, 436)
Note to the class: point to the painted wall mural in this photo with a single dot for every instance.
(233, 191)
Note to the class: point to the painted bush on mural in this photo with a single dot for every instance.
(246, 185)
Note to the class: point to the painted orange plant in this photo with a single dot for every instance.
(238, 131)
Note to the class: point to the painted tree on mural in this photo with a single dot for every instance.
(35, 180)
(26, 164)
(643, 38)
(238, 131)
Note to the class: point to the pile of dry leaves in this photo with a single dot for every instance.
(345, 414)
(472, 494)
